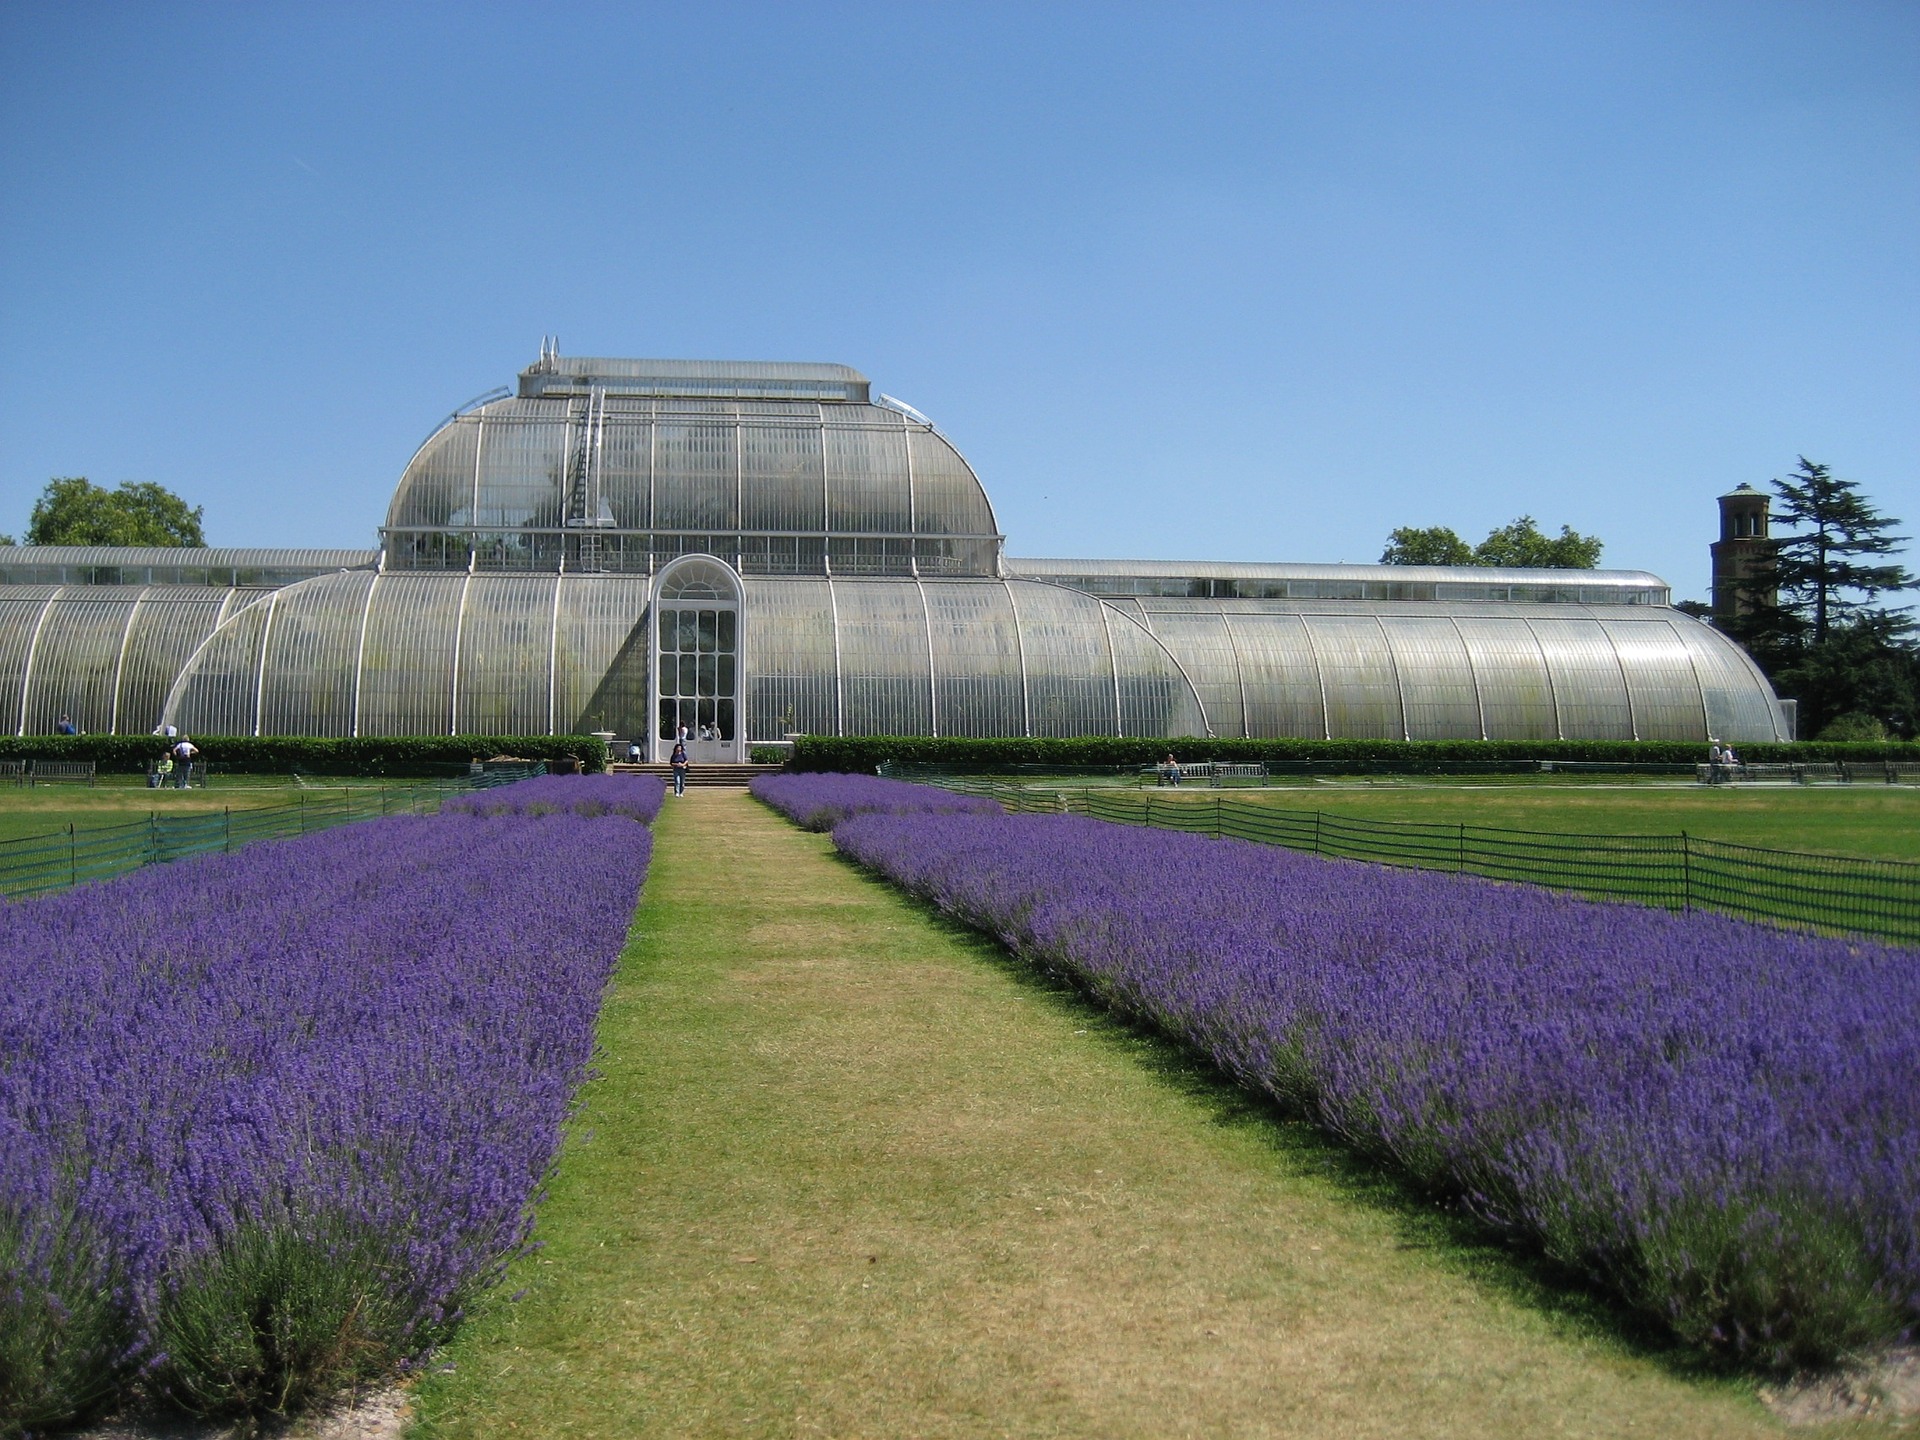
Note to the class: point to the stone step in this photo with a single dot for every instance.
(731, 776)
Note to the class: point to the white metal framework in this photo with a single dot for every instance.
(630, 546)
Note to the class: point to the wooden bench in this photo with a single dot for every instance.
(13, 772)
(60, 770)
(1807, 772)
(1207, 772)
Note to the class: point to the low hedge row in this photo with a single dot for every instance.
(1408, 757)
(397, 755)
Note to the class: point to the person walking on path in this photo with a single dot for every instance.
(679, 764)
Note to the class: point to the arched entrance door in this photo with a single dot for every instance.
(697, 649)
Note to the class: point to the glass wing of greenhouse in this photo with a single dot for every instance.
(739, 552)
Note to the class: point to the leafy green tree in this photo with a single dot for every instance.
(1436, 545)
(1520, 543)
(74, 511)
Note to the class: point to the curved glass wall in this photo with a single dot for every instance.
(364, 654)
(624, 483)
(1403, 671)
(398, 654)
(102, 655)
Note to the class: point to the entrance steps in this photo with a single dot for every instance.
(730, 776)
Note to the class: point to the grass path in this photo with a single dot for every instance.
(849, 1173)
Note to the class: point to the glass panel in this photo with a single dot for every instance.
(1070, 688)
(216, 695)
(407, 672)
(948, 498)
(976, 659)
(1200, 641)
(1587, 682)
(1281, 673)
(78, 653)
(20, 609)
(727, 631)
(600, 653)
(887, 685)
(697, 476)
(311, 655)
(1155, 698)
(790, 676)
(1356, 669)
(503, 655)
(781, 477)
(167, 629)
(1739, 702)
(1436, 678)
(867, 478)
(1516, 694)
(1667, 704)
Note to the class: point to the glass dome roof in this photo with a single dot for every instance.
(603, 465)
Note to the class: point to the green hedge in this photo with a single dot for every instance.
(1405, 757)
(397, 755)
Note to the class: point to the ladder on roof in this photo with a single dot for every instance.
(587, 510)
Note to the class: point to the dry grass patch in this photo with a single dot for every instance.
(849, 1172)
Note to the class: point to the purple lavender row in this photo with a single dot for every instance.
(637, 796)
(821, 801)
(317, 1081)
(1719, 1121)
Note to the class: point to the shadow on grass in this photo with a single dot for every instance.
(1439, 1225)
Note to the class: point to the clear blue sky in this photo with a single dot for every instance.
(1185, 281)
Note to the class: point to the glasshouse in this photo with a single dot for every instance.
(754, 550)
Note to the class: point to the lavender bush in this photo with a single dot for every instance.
(821, 801)
(638, 797)
(269, 1120)
(1719, 1121)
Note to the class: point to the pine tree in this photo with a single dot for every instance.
(1816, 572)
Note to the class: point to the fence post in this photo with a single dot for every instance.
(1463, 849)
(1686, 874)
(1216, 817)
(73, 856)
(1316, 832)
(229, 815)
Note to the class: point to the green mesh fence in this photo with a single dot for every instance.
(41, 864)
(1680, 872)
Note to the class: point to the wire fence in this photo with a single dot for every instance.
(1833, 893)
(42, 864)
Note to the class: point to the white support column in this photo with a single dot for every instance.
(33, 651)
(120, 665)
(360, 654)
(453, 675)
(260, 668)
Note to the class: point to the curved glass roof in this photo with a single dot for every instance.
(588, 477)
(408, 653)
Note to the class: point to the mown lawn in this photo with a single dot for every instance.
(49, 809)
(849, 1171)
(1882, 821)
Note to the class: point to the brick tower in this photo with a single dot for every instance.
(1743, 551)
